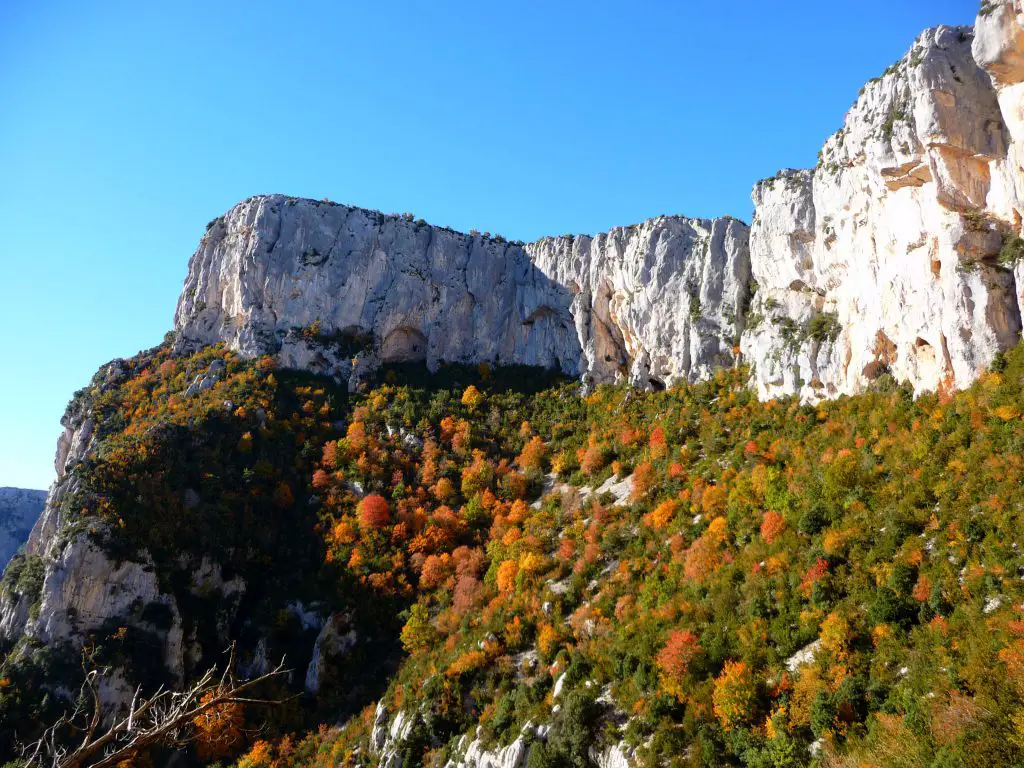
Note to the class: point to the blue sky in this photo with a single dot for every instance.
(125, 127)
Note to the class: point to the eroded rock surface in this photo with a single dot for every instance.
(338, 290)
(661, 301)
(885, 259)
(898, 254)
(328, 288)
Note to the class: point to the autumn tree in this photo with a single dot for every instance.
(219, 727)
(373, 512)
(283, 496)
(321, 480)
(506, 575)
(644, 479)
(418, 633)
(478, 475)
(772, 526)
(436, 568)
(734, 696)
(533, 454)
(472, 398)
(681, 648)
(661, 515)
(657, 443)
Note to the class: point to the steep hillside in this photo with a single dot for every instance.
(19, 509)
(689, 575)
(704, 579)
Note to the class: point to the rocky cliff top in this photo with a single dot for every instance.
(339, 290)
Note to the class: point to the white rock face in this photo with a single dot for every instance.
(387, 740)
(804, 656)
(81, 588)
(884, 258)
(514, 755)
(331, 642)
(619, 755)
(352, 278)
(661, 301)
(19, 510)
(999, 49)
(337, 290)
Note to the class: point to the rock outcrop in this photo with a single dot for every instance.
(19, 510)
(885, 259)
(998, 48)
(661, 301)
(334, 289)
(78, 587)
(338, 290)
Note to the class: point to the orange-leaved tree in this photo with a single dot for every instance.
(374, 512)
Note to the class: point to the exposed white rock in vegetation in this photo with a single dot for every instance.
(804, 656)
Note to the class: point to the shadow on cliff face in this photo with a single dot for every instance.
(215, 503)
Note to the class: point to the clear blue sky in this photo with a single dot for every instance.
(125, 127)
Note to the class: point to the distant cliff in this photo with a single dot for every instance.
(19, 510)
(338, 290)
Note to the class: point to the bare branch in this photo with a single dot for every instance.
(166, 717)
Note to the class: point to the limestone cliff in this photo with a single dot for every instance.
(662, 301)
(886, 257)
(337, 290)
(998, 48)
(322, 285)
(79, 587)
(898, 254)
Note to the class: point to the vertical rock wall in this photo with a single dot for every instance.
(886, 257)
